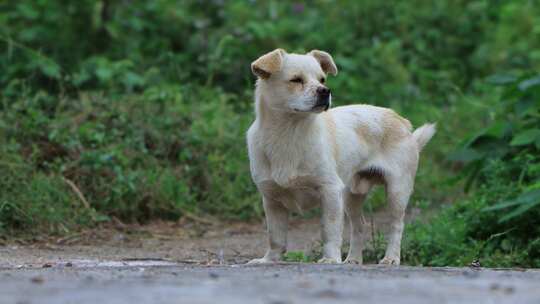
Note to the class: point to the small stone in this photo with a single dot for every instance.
(470, 274)
(305, 284)
(495, 286)
(509, 289)
(37, 280)
(505, 289)
(328, 293)
(278, 302)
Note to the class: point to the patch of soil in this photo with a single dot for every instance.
(184, 241)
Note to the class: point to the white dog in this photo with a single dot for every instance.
(302, 155)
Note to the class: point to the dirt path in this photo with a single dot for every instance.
(225, 243)
(229, 243)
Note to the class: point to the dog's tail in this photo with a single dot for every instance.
(423, 134)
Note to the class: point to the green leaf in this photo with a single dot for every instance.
(525, 137)
(27, 10)
(81, 77)
(525, 201)
(104, 73)
(102, 218)
(531, 82)
(50, 68)
(503, 205)
(519, 211)
(465, 155)
(132, 80)
(526, 197)
(498, 129)
(501, 79)
(526, 107)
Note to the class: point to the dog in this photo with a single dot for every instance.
(303, 155)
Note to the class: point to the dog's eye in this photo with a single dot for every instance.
(297, 80)
(322, 80)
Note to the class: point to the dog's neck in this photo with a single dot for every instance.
(277, 121)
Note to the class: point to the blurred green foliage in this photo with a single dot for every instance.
(499, 224)
(143, 106)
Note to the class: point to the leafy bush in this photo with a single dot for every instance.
(141, 157)
(33, 200)
(500, 222)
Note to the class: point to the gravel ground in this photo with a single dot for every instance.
(164, 282)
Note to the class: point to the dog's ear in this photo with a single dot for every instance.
(268, 63)
(325, 60)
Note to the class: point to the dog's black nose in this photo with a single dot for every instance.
(323, 91)
(323, 99)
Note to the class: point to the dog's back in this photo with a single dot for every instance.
(377, 127)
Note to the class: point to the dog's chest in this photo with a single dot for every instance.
(293, 184)
(292, 163)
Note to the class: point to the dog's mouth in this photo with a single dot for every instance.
(316, 109)
(322, 108)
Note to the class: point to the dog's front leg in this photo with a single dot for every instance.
(332, 223)
(277, 217)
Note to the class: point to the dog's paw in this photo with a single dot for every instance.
(389, 261)
(260, 261)
(329, 261)
(355, 261)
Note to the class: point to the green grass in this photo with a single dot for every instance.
(299, 257)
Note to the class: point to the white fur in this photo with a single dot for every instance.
(301, 158)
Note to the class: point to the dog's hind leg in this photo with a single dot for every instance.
(353, 210)
(398, 191)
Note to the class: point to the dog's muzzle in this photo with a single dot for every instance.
(323, 98)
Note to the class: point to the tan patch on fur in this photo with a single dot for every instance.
(260, 108)
(295, 87)
(331, 127)
(395, 129)
(364, 134)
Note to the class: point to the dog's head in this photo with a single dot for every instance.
(293, 82)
